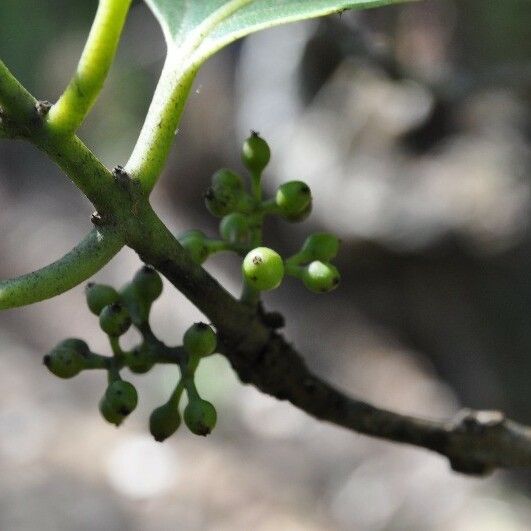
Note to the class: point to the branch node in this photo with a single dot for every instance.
(43, 108)
(473, 422)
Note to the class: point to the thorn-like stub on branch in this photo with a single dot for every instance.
(43, 108)
(470, 467)
(96, 219)
(476, 422)
(274, 320)
(119, 172)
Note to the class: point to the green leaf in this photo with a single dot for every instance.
(195, 30)
(201, 27)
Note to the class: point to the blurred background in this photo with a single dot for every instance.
(412, 126)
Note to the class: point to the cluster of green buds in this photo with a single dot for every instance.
(242, 211)
(117, 312)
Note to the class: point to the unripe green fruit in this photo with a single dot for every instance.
(139, 360)
(235, 228)
(255, 153)
(225, 178)
(148, 283)
(263, 269)
(109, 413)
(294, 200)
(194, 241)
(301, 216)
(321, 246)
(320, 277)
(67, 359)
(100, 295)
(164, 421)
(137, 306)
(122, 397)
(115, 320)
(200, 416)
(200, 340)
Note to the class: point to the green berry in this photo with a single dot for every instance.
(221, 199)
(194, 241)
(100, 295)
(115, 320)
(227, 179)
(255, 153)
(122, 397)
(139, 359)
(263, 269)
(200, 416)
(164, 421)
(294, 200)
(137, 306)
(235, 228)
(321, 246)
(200, 340)
(148, 283)
(67, 359)
(109, 413)
(320, 277)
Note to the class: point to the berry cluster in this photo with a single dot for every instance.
(242, 213)
(117, 311)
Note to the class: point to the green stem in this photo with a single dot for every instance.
(88, 257)
(97, 361)
(81, 93)
(157, 134)
(82, 167)
(176, 395)
(250, 295)
(14, 98)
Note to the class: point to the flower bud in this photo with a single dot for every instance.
(121, 397)
(67, 359)
(148, 283)
(194, 241)
(115, 320)
(294, 200)
(200, 416)
(164, 421)
(255, 153)
(263, 269)
(235, 228)
(320, 277)
(100, 295)
(200, 340)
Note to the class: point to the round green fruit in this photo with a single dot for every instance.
(148, 283)
(67, 359)
(200, 416)
(320, 277)
(235, 228)
(225, 178)
(321, 246)
(294, 200)
(255, 153)
(121, 397)
(194, 242)
(109, 413)
(115, 320)
(100, 295)
(263, 269)
(164, 421)
(200, 340)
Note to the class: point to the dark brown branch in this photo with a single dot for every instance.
(474, 442)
